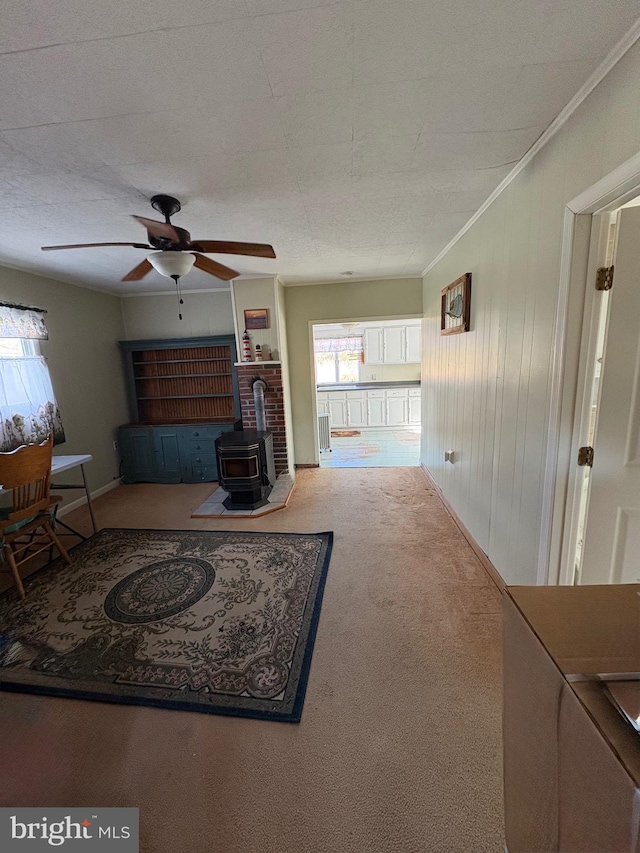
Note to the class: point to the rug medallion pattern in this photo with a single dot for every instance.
(222, 622)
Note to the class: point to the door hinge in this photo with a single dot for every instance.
(604, 278)
(585, 456)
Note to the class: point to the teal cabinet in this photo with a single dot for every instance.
(183, 394)
(170, 454)
(137, 454)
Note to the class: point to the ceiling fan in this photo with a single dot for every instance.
(176, 253)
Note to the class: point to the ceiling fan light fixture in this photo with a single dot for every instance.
(170, 264)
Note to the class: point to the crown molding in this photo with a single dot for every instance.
(346, 279)
(609, 62)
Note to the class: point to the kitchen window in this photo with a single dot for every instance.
(338, 359)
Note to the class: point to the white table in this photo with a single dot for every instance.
(65, 463)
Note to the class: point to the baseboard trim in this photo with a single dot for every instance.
(307, 465)
(487, 565)
(82, 501)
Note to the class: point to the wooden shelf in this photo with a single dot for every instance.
(182, 360)
(184, 396)
(209, 394)
(182, 375)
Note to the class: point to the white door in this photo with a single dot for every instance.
(414, 344)
(373, 345)
(611, 550)
(338, 412)
(356, 413)
(393, 340)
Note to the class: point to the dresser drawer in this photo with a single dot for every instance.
(206, 432)
(415, 392)
(201, 474)
(375, 395)
(197, 460)
(202, 445)
(397, 392)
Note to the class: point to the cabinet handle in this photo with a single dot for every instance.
(198, 459)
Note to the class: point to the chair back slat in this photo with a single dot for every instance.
(27, 473)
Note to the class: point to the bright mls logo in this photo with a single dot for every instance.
(78, 830)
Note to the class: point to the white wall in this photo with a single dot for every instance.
(486, 392)
(203, 313)
(84, 360)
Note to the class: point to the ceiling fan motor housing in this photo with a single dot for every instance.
(167, 205)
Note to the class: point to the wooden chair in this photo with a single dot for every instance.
(26, 472)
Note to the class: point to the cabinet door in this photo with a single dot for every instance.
(414, 410)
(375, 411)
(393, 344)
(397, 411)
(338, 412)
(322, 400)
(373, 346)
(136, 451)
(167, 455)
(356, 412)
(413, 349)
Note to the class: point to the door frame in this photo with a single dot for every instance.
(314, 391)
(568, 365)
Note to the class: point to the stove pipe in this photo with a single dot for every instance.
(259, 387)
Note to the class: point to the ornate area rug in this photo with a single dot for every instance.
(218, 622)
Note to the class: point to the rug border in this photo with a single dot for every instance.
(294, 716)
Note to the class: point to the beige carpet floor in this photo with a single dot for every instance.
(399, 747)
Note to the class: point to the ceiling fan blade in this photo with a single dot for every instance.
(162, 230)
(93, 245)
(138, 272)
(226, 247)
(214, 268)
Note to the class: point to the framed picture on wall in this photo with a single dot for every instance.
(455, 312)
(256, 318)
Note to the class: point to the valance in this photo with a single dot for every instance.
(22, 321)
(350, 344)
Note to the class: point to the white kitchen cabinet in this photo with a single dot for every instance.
(376, 409)
(373, 407)
(413, 344)
(356, 412)
(392, 344)
(397, 411)
(373, 346)
(414, 410)
(338, 411)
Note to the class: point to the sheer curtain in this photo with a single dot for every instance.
(28, 408)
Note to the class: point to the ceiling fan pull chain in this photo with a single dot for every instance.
(176, 278)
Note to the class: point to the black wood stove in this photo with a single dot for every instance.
(246, 468)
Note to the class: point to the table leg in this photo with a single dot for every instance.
(86, 489)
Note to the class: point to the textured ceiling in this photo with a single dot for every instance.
(357, 135)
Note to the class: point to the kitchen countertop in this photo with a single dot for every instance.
(358, 386)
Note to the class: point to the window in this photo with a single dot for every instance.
(337, 359)
(28, 409)
(18, 348)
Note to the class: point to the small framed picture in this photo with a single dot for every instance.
(256, 318)
(455, 314)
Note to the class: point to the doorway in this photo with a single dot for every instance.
(603, 531)
(368, 395)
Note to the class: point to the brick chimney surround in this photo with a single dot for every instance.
(271, 373)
